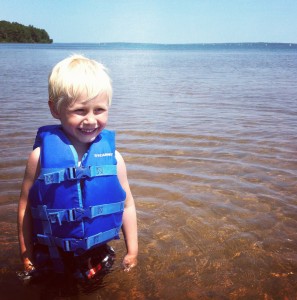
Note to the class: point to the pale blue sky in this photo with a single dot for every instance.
(158, 21)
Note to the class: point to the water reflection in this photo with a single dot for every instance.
(211, 158)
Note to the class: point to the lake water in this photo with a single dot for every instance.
(209, 135)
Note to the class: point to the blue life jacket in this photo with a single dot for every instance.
(75, 208)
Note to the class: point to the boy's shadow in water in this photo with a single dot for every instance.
(10, 286)
(55, 286)
(47, 288)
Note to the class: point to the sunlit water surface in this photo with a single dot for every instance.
(209, 138)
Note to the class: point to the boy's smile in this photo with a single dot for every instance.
(88, 131)
(83, 120)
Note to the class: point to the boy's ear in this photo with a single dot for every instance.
(53, 110)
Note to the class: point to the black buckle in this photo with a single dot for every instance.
(74, 173)
(76, 245)
(76, 214)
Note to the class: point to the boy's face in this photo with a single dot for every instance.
(83, 120)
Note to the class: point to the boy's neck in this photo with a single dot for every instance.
(81, 149)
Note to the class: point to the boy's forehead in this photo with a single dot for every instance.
(84, 99)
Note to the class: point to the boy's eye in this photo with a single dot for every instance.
(99, 110)
(79, 111)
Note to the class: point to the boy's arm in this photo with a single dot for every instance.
(129, 217)
(24, 214)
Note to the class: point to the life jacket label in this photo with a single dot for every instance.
(103, 154)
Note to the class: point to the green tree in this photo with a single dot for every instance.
(18, 33)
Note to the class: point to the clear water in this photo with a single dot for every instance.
(209, 138)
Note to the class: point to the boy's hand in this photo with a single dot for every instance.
(129, 262)
(26, 275)
(28, 266)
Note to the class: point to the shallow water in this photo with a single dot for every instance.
(209, 139)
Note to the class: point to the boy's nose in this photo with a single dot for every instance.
(90, 119)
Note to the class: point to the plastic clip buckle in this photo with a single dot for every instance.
(76, 214)
(54, 217)
(78, 173)
(67, 246)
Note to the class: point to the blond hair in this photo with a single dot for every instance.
(76, 76)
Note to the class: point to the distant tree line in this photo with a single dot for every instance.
(18, 33)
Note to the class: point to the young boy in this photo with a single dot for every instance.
(75, 194)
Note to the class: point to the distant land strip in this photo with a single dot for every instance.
(193, 46)
(18, 33)
(189, 45)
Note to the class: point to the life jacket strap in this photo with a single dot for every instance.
(78, 244)
(56, 259)
(53, 250)
(75, 214)
(57, 175)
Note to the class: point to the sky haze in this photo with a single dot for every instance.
(158, 21)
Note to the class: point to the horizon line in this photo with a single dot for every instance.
(173, 44)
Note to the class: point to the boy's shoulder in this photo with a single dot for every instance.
(48, 129)
(43, 131)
